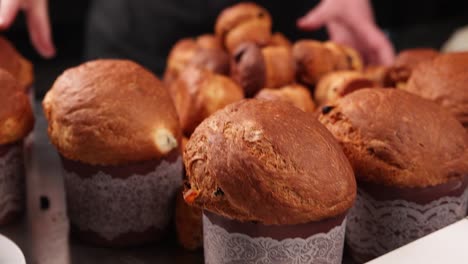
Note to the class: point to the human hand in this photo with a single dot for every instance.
(351, 22)
(37, 19)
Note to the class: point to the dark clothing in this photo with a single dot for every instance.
(145, 30)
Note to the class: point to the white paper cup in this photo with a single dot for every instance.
(230, 241)
(121, 205)
(385, 218)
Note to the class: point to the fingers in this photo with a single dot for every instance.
(377, 47)
(37, 19)
(316, 17)
(8, 11)
(386, 52)
(341, 34)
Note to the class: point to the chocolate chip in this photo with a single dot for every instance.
(44, 203)
(327, 109)
(187, 185)
(218, 192)
(261, 15)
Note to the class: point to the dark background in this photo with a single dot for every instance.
(409, 24)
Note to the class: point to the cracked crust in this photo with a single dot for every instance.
(111, 112)
(444, 81)
(16, 117)
(268, 162)
(15, 64)
(398, 139)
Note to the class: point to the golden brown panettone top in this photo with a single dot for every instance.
(296, 94)
(16, 117)
(337, 84)
(198, 93)
(398, 139)
(258, 160)
(15, 64)
(445, 81)
(243, 22)
(410, 58)
(204, 51)
(110, 112)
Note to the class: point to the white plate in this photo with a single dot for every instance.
(10, 253)
(448, 245)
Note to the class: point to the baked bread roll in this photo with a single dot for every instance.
(205, 52)
(243, 164)
(345, 58)
(398, 74)
(443, 80)
(398, 139)
(16, 116)
(337, 84)
(198, 93)
(314, 59)
(279, 39)
(383, 76)
(295, 94)
(99, 108)
(411, 58)
(15, 64)
(243, 22)
(255, 68)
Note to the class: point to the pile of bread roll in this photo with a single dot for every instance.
(279, 140)
(244, 59)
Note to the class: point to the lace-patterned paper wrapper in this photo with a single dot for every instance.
(376, 227)
(12, 188)
(223, 247)
(112, 207)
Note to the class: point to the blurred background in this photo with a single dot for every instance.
(408, 23)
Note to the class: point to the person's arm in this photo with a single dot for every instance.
(351, 22)
(37, 19)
